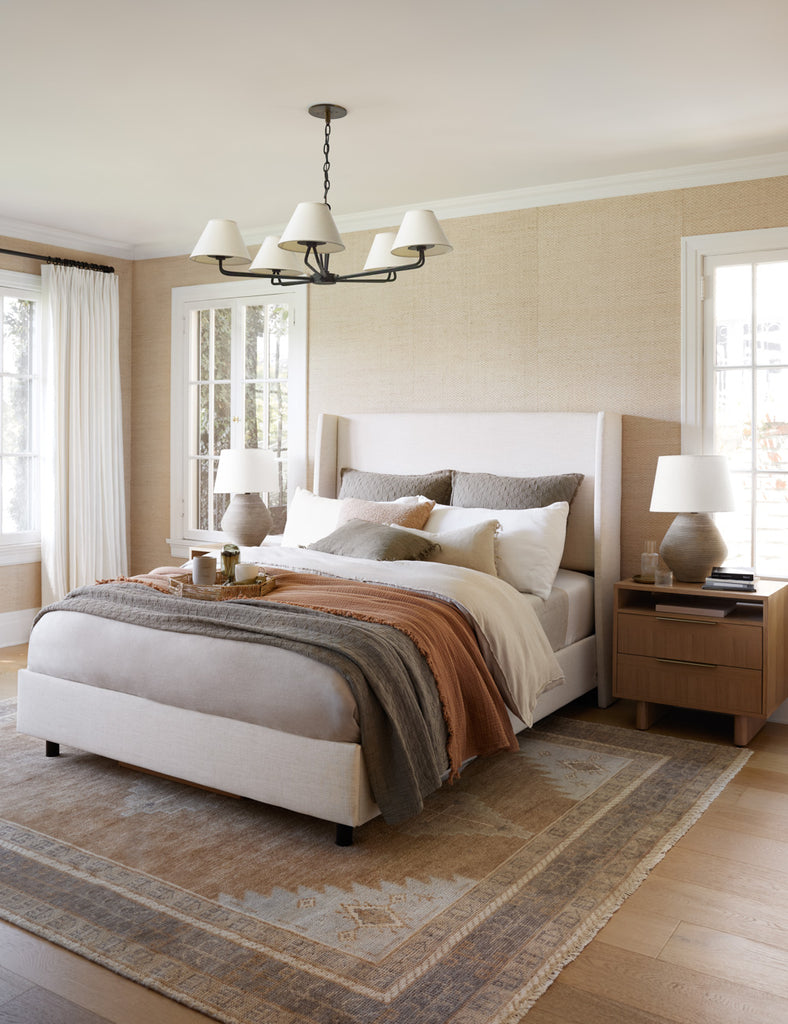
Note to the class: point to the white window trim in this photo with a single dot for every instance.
(694, 250)
(297, 397)
(27, 549)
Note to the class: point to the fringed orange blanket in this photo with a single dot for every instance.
(476, 718)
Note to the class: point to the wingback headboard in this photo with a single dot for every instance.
(509, 444)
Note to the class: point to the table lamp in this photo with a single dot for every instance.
(693, 486)
(244, 472)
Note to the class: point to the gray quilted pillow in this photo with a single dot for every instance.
(486, 490)
(358, 483)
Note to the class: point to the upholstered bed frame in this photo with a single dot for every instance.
(328, 779)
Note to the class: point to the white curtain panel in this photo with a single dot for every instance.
(83, 516)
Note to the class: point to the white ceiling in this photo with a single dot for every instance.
(134, 121)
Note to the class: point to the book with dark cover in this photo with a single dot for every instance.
(724, 572)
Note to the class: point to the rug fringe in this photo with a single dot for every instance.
(561, 958)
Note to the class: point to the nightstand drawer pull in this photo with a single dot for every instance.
(695, 622)
(692, 664)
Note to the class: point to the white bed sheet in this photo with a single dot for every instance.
(568, 614)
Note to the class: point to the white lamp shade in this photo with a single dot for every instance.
(270, 257)
(380, 256)
(692, 483)
(221, 238)
(311, 224)
(246, 471)
(420, 228)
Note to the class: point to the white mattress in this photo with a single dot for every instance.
(245, 681)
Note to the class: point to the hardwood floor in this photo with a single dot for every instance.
(704, 940)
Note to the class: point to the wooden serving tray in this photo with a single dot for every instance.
(182, 586)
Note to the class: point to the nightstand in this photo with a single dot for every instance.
(713, 651)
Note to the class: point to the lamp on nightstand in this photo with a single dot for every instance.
(244, 473)
(693, 486)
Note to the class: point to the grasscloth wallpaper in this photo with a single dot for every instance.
(575, 306)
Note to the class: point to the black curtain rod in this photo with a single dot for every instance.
(60, 261)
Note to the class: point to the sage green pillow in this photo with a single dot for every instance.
(359, 538)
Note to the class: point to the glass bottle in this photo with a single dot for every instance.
(230, 555)
(649, 561)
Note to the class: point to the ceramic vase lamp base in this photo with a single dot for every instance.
(247, 521)
(692, 547)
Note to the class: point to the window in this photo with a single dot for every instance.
(19, 408)
(239, 381)
(736, 383)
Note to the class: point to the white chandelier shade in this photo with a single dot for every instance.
(420, 230)
(311, 237)
(221, 240)
(271, 258)
(380, 255)
(311, 226)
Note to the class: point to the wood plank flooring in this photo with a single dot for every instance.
(704, 940)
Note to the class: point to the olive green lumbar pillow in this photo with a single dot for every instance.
(359, 538)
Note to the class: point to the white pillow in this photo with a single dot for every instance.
(472, 547)
(528, 547)
(309, 518)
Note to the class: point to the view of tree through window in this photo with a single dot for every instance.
(750, 403)
(238, 396)
(18, 434)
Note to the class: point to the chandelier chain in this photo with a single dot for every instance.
(326, 162)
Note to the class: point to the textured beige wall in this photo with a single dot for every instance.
(565, 307)
(572, 307)
(20, 586)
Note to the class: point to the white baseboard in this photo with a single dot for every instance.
(15, 626)
(781, 714)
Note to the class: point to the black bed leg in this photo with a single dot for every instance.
(344, 835)
(53, 749)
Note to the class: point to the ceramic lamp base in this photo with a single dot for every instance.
(247, 521)
(692, 546)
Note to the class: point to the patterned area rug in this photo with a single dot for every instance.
(253, 916)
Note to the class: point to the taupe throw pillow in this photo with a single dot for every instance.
(362, 539)
(487, 490)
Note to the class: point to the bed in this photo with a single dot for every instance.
(98, 684)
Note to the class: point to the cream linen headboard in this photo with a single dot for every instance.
(510, 444)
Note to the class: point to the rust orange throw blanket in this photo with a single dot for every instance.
(476, 719)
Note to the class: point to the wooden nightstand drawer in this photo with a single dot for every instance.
(716, 688)
(711, 641)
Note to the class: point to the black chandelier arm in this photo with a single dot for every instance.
(319, 272)
(390, 271)
(276, 277)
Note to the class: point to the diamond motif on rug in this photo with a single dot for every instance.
(574, 772)
(368, 922)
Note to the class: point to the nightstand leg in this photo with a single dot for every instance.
(646, 713)
(745, 727)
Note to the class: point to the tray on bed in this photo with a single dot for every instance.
(183, 586)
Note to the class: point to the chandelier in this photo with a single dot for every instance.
(302, 254)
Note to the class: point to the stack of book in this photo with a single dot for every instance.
(725, 578)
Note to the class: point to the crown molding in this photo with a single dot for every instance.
(636, 183)
(89, 244)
